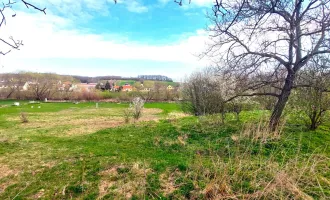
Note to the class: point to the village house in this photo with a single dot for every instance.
(144, 89)
(127, 88)
(115, 88)
(27, 85)
(67, 85)
(170, 87)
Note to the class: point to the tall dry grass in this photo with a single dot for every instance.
(252, 167)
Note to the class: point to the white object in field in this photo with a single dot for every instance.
(16, 103)
(32, 102)
(97, 105)
(46, 100)
(32, 106)
(39, 106)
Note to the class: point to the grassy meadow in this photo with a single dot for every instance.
(78, 151)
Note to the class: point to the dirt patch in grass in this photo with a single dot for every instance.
(6, 171)
(5, 185)
(123, 181)
(77, 122)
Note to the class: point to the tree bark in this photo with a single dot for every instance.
(281, 102)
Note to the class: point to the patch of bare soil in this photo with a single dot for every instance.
(4, 172)
(73, 122)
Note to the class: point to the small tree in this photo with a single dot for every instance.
(107, 86)
(137, 107)
(24, 118)
(127, 113)
(312, 98)
(98, 86)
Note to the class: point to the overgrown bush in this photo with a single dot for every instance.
(204, 93)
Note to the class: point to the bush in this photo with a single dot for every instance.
(137, 106)
(24, 118)
(127, 113)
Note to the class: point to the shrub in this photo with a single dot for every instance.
(137, 107)
(24, 118)
(127, 113)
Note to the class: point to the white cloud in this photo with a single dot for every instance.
(134, 6)
(51, 37)
(82, 8)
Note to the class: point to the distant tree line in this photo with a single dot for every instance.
(155, 78)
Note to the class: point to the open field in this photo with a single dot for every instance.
(78, 151)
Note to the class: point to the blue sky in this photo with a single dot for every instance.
(89, 37)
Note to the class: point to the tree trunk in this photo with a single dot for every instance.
(281, 102)
(313, 126)
(11, 92)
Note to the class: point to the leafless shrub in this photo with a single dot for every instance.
(312, 99)
(89, 95)
(24, 117)
(127, 113)
(204, 93)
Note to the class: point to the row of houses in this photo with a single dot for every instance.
(115, 88)
(68, 86)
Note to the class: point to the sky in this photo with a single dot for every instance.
(98, 37)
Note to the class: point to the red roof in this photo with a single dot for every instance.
(125, 87)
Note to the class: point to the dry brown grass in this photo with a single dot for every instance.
(259, 132)
(124, 181)
(5, 172)
(85, 121)
(297, 178)
(167, 181)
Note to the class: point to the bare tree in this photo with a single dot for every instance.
(145, 90)
(12, 83)
(43, 85)
(312, 96)
(275, 36)
(11, 43)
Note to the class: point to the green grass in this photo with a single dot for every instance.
(166, 107)
(144, 160)
(123, 82)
